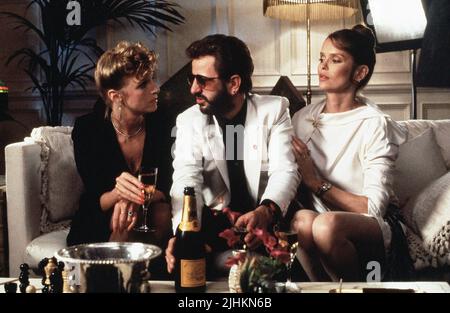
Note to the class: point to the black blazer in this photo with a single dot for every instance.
(99, 161)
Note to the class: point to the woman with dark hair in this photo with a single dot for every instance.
(111, 147)
(345, 152)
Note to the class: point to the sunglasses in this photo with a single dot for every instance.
(201, 80)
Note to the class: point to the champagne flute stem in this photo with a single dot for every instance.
(144, 211)
(288, 268)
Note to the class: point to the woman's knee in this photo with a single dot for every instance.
(302, 224)
(326, 232)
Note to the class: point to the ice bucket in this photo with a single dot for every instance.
(118, 267)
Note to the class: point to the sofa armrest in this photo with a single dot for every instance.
(23, 185)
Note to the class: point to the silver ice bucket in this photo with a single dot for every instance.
(118, 267)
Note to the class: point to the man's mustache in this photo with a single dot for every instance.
(199, 95)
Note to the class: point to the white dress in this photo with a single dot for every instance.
(355, 151)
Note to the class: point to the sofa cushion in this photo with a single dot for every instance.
(418, 164)
(441, 130)
(45, 246)
(61, 185)
(428, 214)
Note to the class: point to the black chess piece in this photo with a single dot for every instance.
(53, 287)
(10, 287)
(24, 277)
(41, 266)
(56, 279)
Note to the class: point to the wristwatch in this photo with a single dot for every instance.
(323, 188)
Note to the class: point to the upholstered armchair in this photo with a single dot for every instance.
(43, 188)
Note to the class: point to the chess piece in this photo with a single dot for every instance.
(30, 289)
(54, 282)
(10, 287)
(24, 277)
(66, 285)
(41, 266)
(50, 268)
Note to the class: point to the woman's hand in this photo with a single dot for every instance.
(123, 219)
(306, 166)
(129, 188)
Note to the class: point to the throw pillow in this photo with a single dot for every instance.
(419, 163)
(428, 214)
(61, 186)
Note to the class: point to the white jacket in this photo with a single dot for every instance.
(269, 164)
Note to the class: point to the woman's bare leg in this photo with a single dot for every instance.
(346, 241)
(307, 251)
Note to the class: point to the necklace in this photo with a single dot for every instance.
(127, 136)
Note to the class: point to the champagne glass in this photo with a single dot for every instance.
(287, 238)
(147, 176)
(241, 232)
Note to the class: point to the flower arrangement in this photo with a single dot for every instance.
(257, 273)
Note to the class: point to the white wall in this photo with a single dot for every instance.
(278, 48)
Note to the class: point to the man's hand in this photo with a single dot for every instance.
(170, 259)
(261, 217)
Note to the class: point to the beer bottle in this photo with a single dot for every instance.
(189, 251)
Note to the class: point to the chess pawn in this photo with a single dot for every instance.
(66, 285)
(49, 269)
(24, 277)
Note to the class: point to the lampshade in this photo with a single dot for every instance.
(320, 10)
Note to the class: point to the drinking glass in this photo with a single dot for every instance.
(241, 232)
(148, 177)
(287, 237)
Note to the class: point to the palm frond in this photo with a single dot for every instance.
(24, 23)
(58, 63)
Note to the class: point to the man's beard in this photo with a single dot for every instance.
(220, 105)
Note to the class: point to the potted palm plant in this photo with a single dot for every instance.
(59, 64)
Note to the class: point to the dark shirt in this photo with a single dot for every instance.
(100, 160)
(241, 200)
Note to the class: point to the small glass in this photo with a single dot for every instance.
(148, 177)
(287, 237)
(241, 232)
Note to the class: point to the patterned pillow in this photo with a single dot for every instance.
(428, 214)
(61, 186)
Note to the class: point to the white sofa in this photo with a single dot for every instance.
(43, 189)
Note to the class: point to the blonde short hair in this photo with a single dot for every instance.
(123, 61)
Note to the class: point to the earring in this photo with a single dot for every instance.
(120, 112)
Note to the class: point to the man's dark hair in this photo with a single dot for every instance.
(232, 57)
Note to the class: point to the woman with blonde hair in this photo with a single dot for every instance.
(111, 147)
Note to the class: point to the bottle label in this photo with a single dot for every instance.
(189, 220)
(189, 226)
(193, 273)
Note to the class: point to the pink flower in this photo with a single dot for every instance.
(232, 215)
(268, 240)
(235, 259)
(230, 236)
(282, 255)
